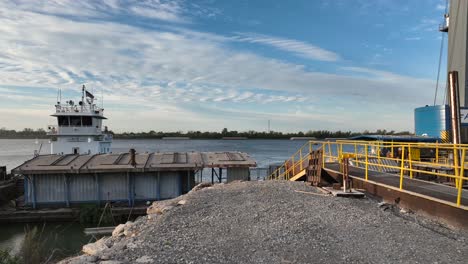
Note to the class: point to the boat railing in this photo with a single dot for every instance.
(52, 130)
(78, 109)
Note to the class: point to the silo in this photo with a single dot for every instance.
(433, 121)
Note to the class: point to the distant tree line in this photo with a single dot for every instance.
(319, 134)
(25, 133)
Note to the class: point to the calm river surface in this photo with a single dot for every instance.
(69, 237)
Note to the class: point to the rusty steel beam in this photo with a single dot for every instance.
(441, 212)
(454, 106)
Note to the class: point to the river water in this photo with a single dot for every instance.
(69, 237)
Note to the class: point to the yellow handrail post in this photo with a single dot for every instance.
(410, 157)
(402, 167)
(367, 163)
(292, 159)
(340, 156)
(300, 159)
(323, 155)
(378, 157)
(455, 164)
(460, 178)
(393, 153)
(437, 152)
(338, 151)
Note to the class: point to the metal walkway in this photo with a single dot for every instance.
(430, 189)
(394, 164)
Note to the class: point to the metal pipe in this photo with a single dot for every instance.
(212, 175)
(346, 180)
(454, 106)
(133, 157)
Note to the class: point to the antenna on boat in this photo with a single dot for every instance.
(82, 95)
(59, 96)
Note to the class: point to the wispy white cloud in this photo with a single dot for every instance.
(426, 24)
(412, 38)
(165, 10)
(296, 47)
(364, 7)
(440, 6)
(162, 10)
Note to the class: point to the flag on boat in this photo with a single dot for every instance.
(90, 95)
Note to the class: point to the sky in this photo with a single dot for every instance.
(212, 64)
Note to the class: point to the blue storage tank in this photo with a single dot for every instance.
(433, 121)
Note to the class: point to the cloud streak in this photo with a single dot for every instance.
(296, 47)
(440, 7)
(163, 10)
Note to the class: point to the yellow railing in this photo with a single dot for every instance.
(295, 164)
(445, 162)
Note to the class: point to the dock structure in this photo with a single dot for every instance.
(429, 178)
(302, 138)
(67, 180)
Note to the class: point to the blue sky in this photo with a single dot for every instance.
(207, 64)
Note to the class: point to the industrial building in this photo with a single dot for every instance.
(67, 180)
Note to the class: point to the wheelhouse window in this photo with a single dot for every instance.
(63, 121)
(87, 120)
(75, 120)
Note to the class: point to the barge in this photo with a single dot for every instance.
(129, 178)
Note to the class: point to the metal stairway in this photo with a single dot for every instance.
(305, 164)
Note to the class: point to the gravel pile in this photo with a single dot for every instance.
(271, 222)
